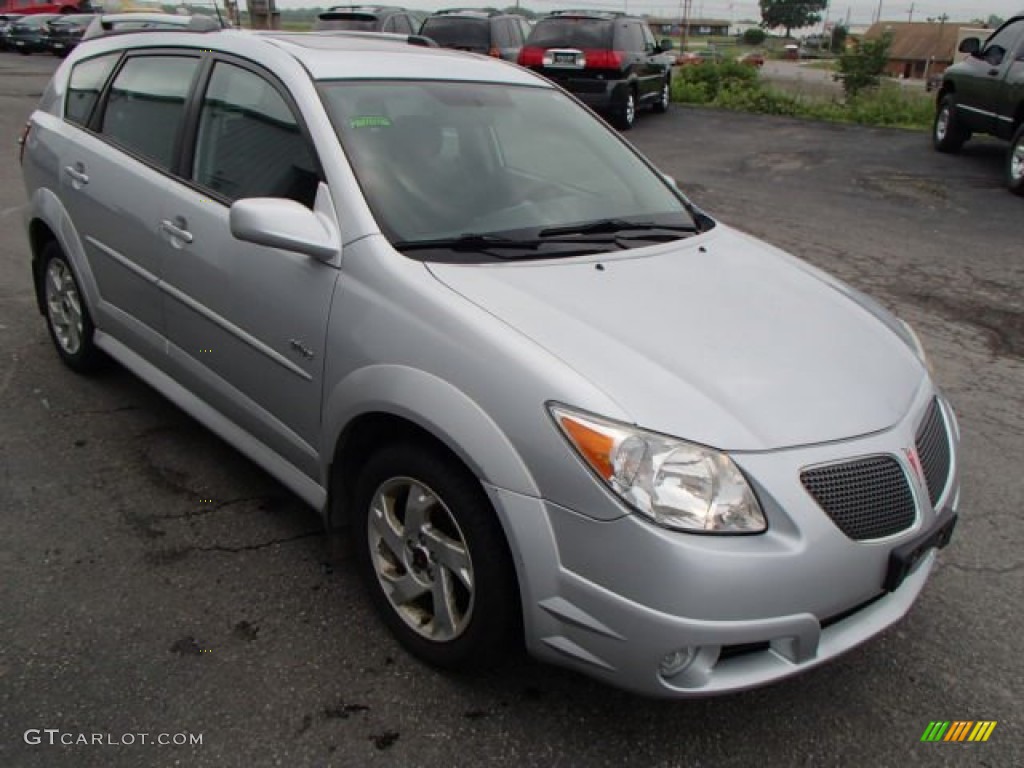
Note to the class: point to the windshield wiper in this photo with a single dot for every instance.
(467, 242)
(612, 227)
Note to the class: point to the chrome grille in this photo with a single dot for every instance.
(867, 498)
(932, 443)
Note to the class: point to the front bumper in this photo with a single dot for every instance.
(614, 598)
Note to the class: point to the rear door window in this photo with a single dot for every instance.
(87, 80)
(146, 104)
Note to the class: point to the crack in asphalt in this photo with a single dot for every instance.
(254, 547)
(211, 508)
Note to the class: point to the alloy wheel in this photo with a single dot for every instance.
(420, 557)
(63, 306)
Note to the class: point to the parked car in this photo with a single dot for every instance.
(488, 32)
(104, 25)
(985, 94)
(609, 61)
(553, 398)
(64, 33)
(689, 58)
(6, 20)
(753, 59)
(28, 34)
(369, 18)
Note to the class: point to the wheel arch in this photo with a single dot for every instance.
(39, 236)
(383, 403)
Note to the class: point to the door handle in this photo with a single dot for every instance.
(993, 72)
(77, 173)
(176, 229)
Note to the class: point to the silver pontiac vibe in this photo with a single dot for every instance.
(447, 306)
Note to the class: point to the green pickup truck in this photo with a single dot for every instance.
(985, 94)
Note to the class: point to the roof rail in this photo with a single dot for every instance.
(599, 14)
(394, 37)
(367, 8)
(479, 11)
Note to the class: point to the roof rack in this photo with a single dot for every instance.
(362, 8)
(473, 11)
(599, 14)
(420, 41)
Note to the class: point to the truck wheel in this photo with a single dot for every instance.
(434, 557)
(1015, 163)
(625, 115)
(948, 135)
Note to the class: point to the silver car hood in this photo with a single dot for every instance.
(719, 339)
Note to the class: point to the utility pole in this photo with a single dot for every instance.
(878, 15)
(910, 15)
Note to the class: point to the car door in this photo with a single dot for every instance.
(247, 323)
(980, 92)
(112, 172)
(1011, 91)
(654, 68)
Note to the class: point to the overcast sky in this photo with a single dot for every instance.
(861, 11)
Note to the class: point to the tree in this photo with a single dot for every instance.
(839, 35)
(754, 36)
(863, 66)
(791, 14)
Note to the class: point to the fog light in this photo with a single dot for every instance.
(676, 661)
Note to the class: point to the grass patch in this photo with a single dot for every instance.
(733, 86)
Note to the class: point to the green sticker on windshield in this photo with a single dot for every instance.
(370, 121)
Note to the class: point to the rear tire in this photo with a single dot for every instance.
(948, 134)
(67, 317)
(664, 98)
(434, 557)
(1015, 163)
(625, 115)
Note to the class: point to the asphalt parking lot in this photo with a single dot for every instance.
(154, 581)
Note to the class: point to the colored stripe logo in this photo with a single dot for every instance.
(959, 730)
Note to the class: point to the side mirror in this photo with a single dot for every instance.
(970, 45)
(666, 45)
(280, 223)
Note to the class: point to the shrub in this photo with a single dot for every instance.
(733, 86)
(863, 66)
(754, 36)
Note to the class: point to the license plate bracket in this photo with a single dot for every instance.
(905, 557)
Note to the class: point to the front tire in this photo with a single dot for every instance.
(1015, 163)
(434, 557)
(67, 317)
(948, 135)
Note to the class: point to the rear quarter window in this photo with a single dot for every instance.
(84, 86)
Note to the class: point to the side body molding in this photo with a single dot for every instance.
(436, 406)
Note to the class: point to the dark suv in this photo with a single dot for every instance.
(369, 18)
(985, 94)
(609, 61)
(489, 32)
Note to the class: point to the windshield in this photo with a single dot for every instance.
(442, 160)
(454, 32)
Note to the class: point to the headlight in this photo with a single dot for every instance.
(676, 484)
(916, 344)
